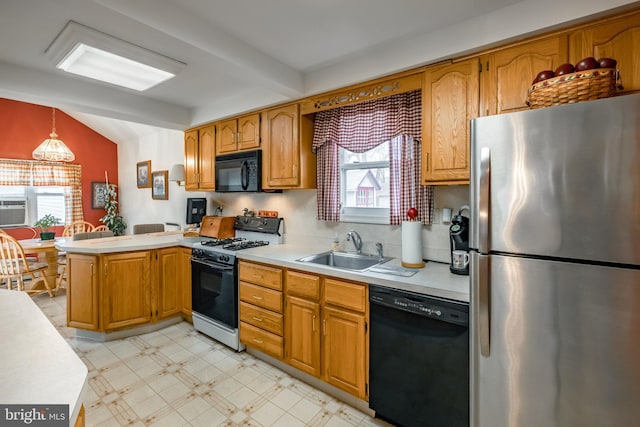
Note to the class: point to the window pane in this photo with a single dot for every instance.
(367, 188)
(377, 154)
(11, 191)
(50, 200)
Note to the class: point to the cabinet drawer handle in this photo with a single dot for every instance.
(256, 297)
(313, 323)
(257, 341)
(257, 319)
(324, 326)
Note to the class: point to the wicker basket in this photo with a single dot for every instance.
(575, 87)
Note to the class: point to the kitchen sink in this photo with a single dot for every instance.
(345, 260)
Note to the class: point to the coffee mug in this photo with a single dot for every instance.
(460, 259)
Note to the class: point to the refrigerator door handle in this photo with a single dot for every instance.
(483, 202)
(483, 280)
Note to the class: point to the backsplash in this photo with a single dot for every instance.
(298, 208)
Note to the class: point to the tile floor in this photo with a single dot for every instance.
(178, 377)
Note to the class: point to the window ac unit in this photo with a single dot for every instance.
(13, 213)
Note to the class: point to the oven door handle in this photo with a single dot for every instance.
(213, 266)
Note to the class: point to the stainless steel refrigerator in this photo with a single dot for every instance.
(555, 266)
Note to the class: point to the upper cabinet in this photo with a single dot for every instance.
(287, 160)
(450, 99)
(614, 38)
(508, 73)
(238, 134)
(200, 156)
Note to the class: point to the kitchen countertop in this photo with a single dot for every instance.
(434, 279)
(38, 366)
(127, 243)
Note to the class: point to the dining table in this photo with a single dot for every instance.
(47, 253)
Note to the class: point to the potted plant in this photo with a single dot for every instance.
(44, 224)
(113, 220)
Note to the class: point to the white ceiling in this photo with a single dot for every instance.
(245, 54)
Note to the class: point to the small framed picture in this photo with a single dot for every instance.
(159, 188)
(98, 195)
(143, 170)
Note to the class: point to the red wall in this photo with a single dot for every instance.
(24, 126)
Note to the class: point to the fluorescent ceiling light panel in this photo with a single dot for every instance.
(83, 51)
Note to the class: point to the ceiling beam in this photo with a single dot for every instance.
(29, 85)
(172, 20)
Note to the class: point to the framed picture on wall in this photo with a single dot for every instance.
(159, 188)
(98, 195)
(143, 171)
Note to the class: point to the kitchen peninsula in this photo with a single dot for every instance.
(117, 283)
(126, 285)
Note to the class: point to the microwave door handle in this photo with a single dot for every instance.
(244, 175)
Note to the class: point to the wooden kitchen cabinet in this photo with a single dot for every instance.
(113, 291)
(261, 308)
(200, 156)
(168, 301)
(450, 98)
(185, 282)
(126, 289)
(302, 329)
(507, 73)
(238, 134)
(83, 301)
(617, 38)
(287, 160)
(326, 330)
(344, 344)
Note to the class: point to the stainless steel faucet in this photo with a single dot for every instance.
(380, 251)
(356, 239)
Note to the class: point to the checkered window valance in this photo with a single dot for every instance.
(361, 127)
(38, 173)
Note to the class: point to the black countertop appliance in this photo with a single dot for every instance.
(459, 241)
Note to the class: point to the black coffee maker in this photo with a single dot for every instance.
(459, 241)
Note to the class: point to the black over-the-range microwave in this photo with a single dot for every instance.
(239, 172)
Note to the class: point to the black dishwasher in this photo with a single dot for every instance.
(419, 359)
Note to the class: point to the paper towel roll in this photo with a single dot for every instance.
(412, 244)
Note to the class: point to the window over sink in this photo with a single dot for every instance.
(364, 185)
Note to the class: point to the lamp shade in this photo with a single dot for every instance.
(53, 149)
(176, 173)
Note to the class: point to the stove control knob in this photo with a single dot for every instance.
(265, 222)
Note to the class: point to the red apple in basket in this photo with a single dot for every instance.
(412, 213)
(564, 69)
(588, 63)
(544, 75)
(607, 63)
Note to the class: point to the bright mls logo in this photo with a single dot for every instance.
(34, 415)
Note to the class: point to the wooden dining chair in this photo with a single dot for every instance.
(101, 228)
(77, 227)
(14, 267)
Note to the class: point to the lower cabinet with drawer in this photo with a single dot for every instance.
(326, 332)
(261, 319)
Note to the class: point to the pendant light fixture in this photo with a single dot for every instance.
(53, 149)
